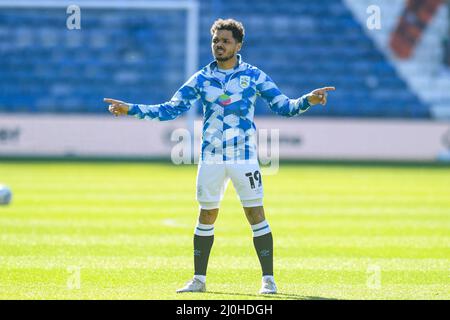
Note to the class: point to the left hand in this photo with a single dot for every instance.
(117, 107)
(319, 95)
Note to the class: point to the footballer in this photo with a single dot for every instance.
(227, 88)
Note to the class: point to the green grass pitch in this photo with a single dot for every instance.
(124, 231)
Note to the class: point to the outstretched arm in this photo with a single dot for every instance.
(180, 103)
(281, 104)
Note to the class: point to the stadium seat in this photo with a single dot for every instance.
(139, 56)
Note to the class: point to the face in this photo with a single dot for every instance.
(224, 46)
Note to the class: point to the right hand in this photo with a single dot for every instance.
(319, 95)
(117, 107)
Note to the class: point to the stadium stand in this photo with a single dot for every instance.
(139, 56)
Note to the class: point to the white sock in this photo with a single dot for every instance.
(268, 278)
(200, 277)
(260, 229)
(204, 229)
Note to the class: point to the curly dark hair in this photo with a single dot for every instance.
(232, 25)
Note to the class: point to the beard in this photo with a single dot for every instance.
(224, 58)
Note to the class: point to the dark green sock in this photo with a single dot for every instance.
(264, 249)
(202, 248)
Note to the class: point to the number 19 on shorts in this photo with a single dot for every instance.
(254, 178)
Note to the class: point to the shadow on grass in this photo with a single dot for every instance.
(281, 296)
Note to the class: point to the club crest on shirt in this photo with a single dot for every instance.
(244, 81)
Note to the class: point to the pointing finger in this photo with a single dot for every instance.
(111, 101)
(323, 90)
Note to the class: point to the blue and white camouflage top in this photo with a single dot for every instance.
(228, 99)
